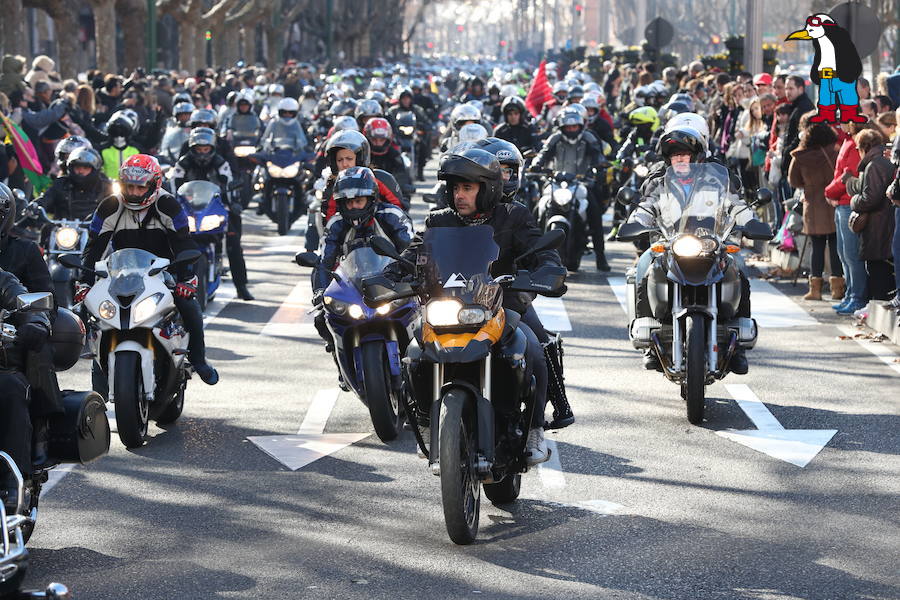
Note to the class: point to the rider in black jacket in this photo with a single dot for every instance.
(76, 195)
(515, 128)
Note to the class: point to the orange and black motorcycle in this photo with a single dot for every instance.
(468, 383)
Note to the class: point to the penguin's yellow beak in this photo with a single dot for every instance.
(799, 35)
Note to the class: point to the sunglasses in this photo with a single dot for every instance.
(817, 22)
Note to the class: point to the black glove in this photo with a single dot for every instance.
(318, 298)
(33, 336)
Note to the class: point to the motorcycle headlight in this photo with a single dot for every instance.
(336, 306)
(288, 172)
(562, 196)
(473, 316)
(443, 313)
(145, 308)
(192, 224)
(356, 311)
(66, 237)
(392, 305)
(687, 246)
(107, 310)
(242, 151)
(211, 222)
(641, 171)
(406, 129)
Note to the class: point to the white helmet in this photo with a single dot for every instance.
(691, 120)
(276, 89)
(462, 113)
(288, 104)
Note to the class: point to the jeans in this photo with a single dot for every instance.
(834, 91)
(848, 250)
(895, 248)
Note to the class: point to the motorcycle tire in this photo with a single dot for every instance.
(694, 386)
(132, 410)
(505, 491)
(383, 402)
(283, 214)
(460, 486)
(201, 269)
(171, 413)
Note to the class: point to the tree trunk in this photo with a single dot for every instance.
(12, 28)
(133, 19)
(65, 21)
(187, 31)
(105, 34)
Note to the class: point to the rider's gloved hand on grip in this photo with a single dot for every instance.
(33, 336)
(81, 290)
(318, 297)
(187, 289)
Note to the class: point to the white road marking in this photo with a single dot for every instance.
(618, 287)
(311, 442)
(551, 473)
(796, 446)
(224, 295)
(291, 320)
(55, 476)
(880, 350)
(552, 312)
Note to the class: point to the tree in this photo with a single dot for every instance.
(65, 20)
(12, 30)
(187, 14)
(105, 34)
(133, 21)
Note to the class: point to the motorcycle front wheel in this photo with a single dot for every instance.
(283, 214)
(132, 409)
(694, 387)
(382, 401)
(460, 486)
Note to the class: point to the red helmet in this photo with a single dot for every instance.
(378, 132)
(143, 170)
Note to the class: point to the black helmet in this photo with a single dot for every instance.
(402, 91)
(7, 209)
(512, 103)
(576, 92)
(350, 140)
(203, 117)
(570, 116)
(202, 136)
(66, 147)
(367, 109)
(67, 339)
(231, 98)
(340, 108)
(681, 140)
(181, 97)
(120, 126)
(478, 166)
(356, 182)
(509, 156)
(85, 157)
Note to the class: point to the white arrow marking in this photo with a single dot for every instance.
(311, 442)
(291, 320)
(796, 446)
(553, 313)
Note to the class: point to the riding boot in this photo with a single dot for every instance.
(556, 390)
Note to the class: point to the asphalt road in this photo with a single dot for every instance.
(640, 504)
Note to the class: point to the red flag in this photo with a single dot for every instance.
(540, 91)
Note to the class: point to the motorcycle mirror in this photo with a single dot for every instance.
(757, 230)
(631, 231)
(763, 197)
(626, 196)
(384, 247)
(551, 240)
(34, 302)
(73, 261)
(306, 259)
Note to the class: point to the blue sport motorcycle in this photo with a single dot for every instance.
(208, 223)
(368, 342)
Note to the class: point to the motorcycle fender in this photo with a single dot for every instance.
(561, 220)
(146, 355)
(485, 414)
(658, 291)
(59, 273)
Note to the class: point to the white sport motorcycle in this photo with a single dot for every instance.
(137, 338)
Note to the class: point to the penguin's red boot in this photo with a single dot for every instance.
(850, 114)
(827, 114)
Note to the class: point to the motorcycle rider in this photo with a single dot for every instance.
(203, 162)
(271, 105)
(33, 331)
(366, 110)
(120, 129)
(145, 216)
(243, 120)
(405, 104)
(385, 154)
(515, 128)
(680, 148)
(77, 194)
(574, 150)
(286, 128)
(361, 214)
(474, 189)
(67, 146)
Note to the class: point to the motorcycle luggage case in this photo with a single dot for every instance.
(81, 434)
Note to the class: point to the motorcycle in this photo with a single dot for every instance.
(65, 236)
(137, 338)
(693, 286)
(465, 368)
(279, 186)
(244, 146)
(81, 433)
(14, 554)
(408, 139)
(563, 205)
(368, 342)
(207, 222)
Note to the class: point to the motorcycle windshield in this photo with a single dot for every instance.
(696, 199)
(199, 193)
(459, 262)
(360, 263)
(174, 138)
(126, 271)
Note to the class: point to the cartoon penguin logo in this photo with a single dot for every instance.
(835, 69)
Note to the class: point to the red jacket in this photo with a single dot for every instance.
(848, 158)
